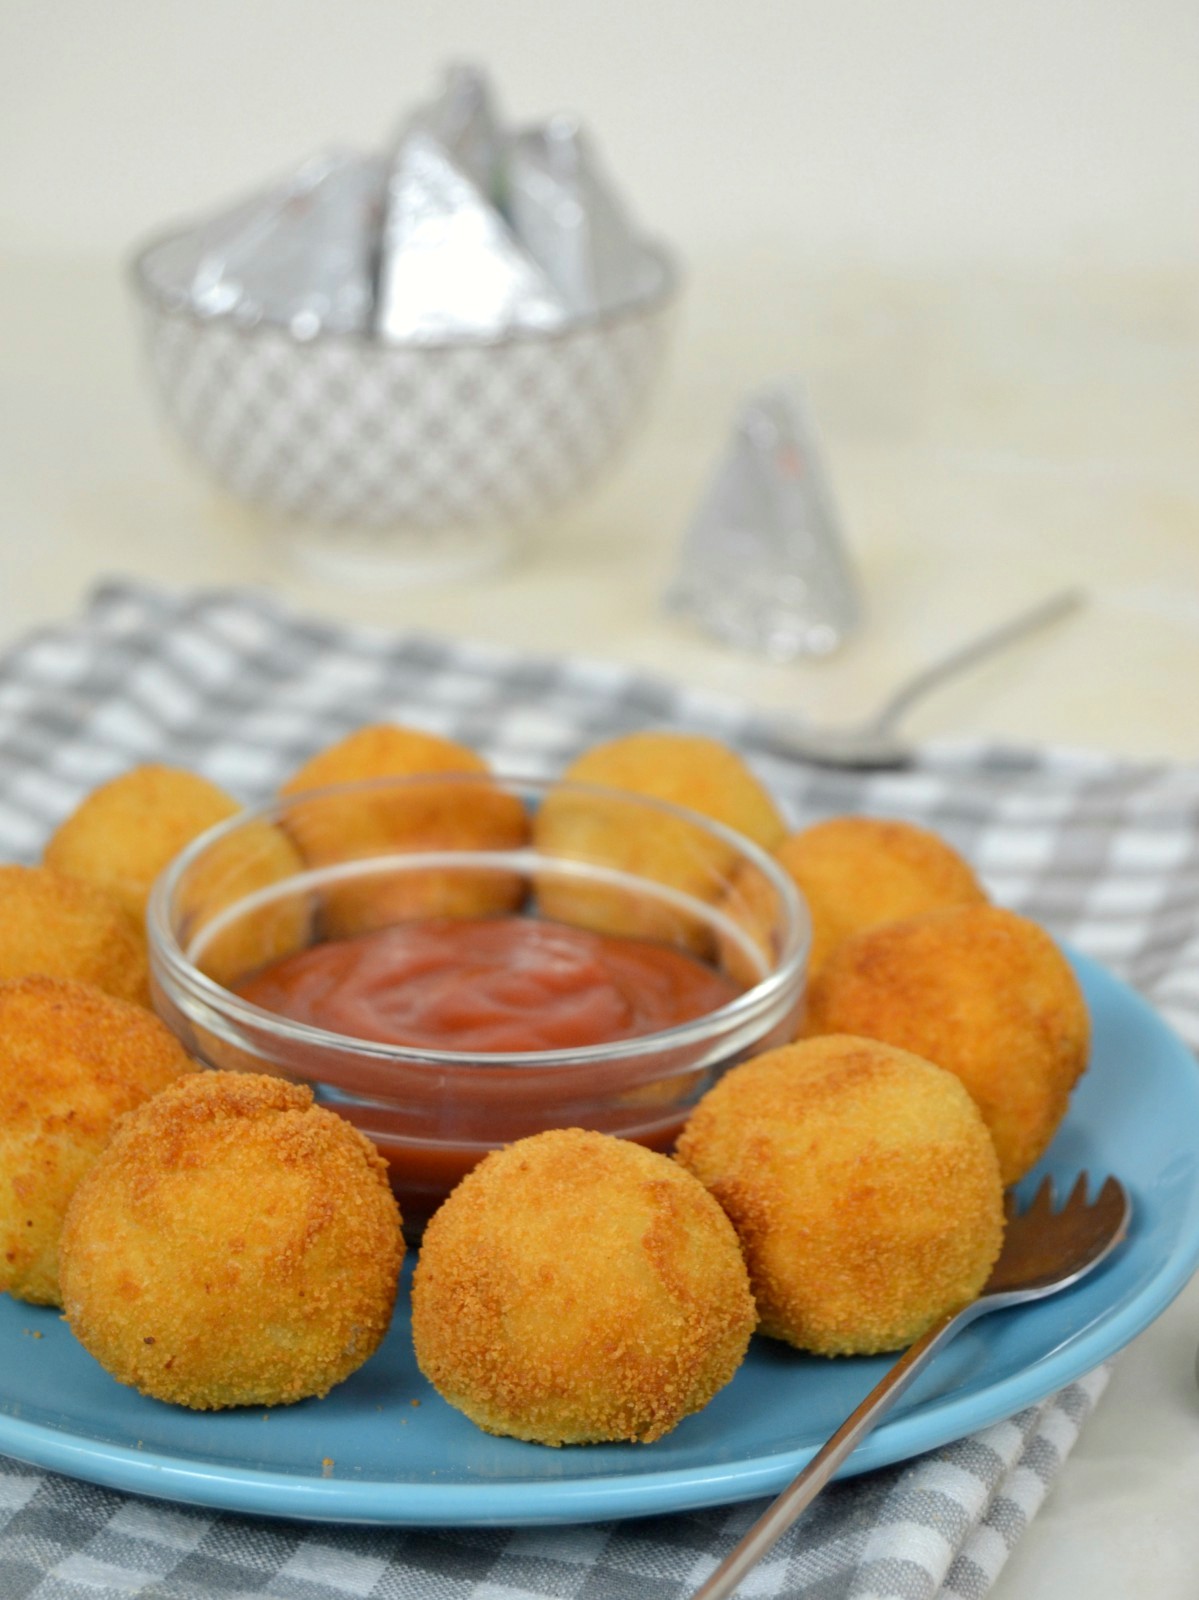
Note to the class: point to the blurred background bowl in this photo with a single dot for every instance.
(374, 854)
(403, 460)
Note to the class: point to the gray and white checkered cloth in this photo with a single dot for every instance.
(233, 685)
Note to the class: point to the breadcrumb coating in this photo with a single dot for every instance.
(125, 832)
(61, 927)
(862, 1184)
(858, 872)
(981, 991)
(73, 1060)
(234, 1245)
(577, 1288)
(426, 817)
(682, 769)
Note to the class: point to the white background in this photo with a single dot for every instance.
(901, 131)
(970, 226)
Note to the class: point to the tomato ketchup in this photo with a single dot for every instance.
(494, 985)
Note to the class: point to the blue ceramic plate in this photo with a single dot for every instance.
(383, 1447)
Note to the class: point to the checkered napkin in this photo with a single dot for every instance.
(236, 687)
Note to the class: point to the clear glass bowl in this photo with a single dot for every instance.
(339, 862)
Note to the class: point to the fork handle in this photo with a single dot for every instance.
(966, 655)
(799, 1494)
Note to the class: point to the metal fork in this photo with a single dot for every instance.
(875, 743)
(1043, 1251)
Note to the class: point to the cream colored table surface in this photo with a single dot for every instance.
(990, 440)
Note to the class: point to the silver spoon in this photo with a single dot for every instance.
(1043, 1251)
(875, 743)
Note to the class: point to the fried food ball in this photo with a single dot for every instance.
(980, 991)
(682, 769)
(126, 831)
(234, 1245)
(577, 1288)
(862, 1184)
(255, 856)
(426, 816)
(858, 872)
(72, 1061)
(65, 928)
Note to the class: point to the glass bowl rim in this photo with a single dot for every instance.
(167, 953)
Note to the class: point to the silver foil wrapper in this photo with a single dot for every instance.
(299, 254)
(462, 231)
(566, 214)
(464, 121)
(764, 564)
(449, 266)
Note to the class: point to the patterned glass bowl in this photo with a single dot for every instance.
(417, 457)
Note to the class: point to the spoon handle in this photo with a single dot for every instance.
(799, 1494)
(995, 639)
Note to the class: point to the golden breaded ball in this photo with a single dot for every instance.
(72, 1061)
(126, 831)
(62, 927)
(854, 873)
(577, 1288)
(862, 1184)
(427, 816)
(234, 1245)
(682, 769)
(858, 872)
(255, 856)
(980, 991)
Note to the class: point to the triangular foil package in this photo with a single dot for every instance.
(464, 121)
(299, 254)
(461, 230)
(764, 564)
(449, 266)
(566, 213)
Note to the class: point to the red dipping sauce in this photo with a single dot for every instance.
(490, 986)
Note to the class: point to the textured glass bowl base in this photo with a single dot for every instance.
(394, 558)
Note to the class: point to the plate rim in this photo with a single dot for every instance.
(251, 1491)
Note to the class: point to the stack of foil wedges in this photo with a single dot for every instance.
(465, 229)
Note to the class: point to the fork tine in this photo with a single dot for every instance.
(1042, 1201)
(1113, 1199)
(1078, 1194)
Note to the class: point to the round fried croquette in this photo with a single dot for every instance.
(234, 1245)
(255, 856)
(72, 1061)
(858, 872)
(62, 927)
(383, 750)
(863, 1186)
(422, 816)
(577, 1288)
(126, 831)
(981, 991)
(684, 770)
